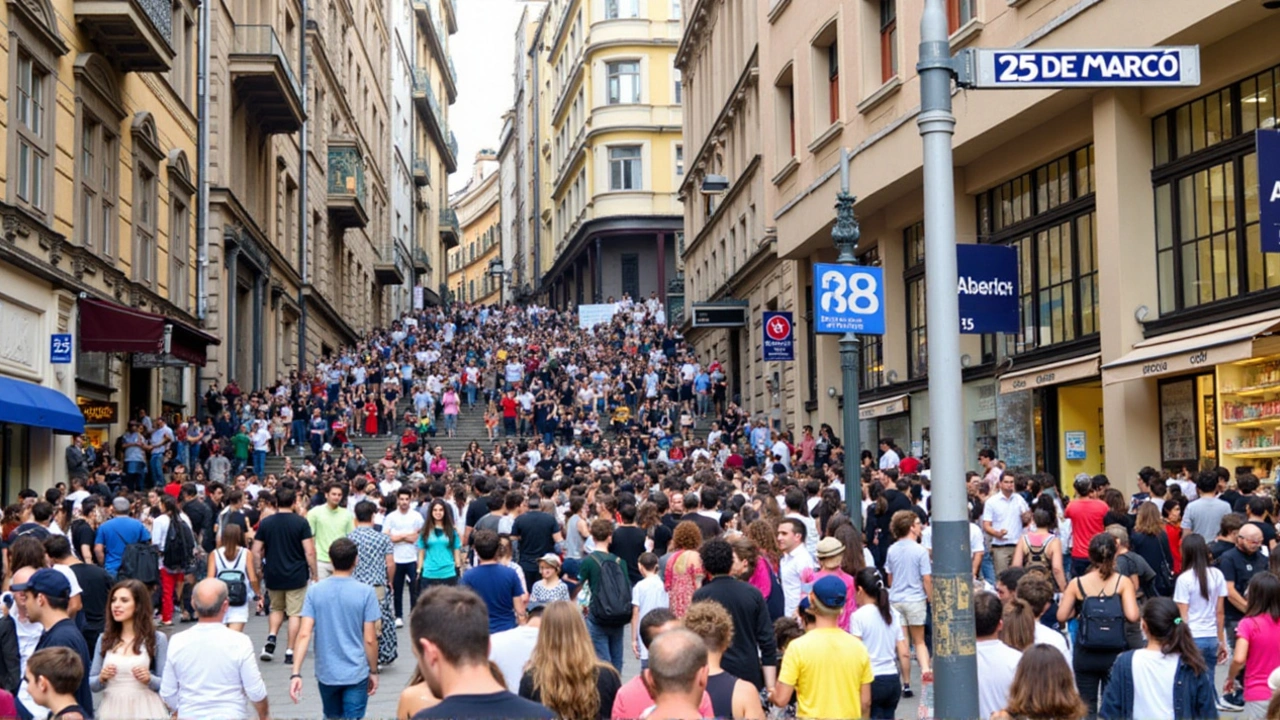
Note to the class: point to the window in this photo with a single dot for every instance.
(677, 13)
(624, 82)
(624, 167)
(960, 12)
(677, 90)
(872, 345)
(96, 175)
(179, 252)
(679, 160)
(1208, 241)
(34, 134)
(833, 82)
(618, 9)
(913, 279)
(631, 275)
(1048, 216)
(144, 223)
(888, 39)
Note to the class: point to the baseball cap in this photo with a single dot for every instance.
(829, 547)
(535, 606)
(830, 591)
(46, 582)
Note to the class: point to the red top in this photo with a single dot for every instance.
(508, 407)
(909, 466)
(1086, 521)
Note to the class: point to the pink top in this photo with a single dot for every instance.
(1263, 634)
(808, 577)
(439, 466)
(633, 699)
(7, 707)
(760, 578)
(450, 403)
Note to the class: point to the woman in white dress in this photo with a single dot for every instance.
(129, 657)
(231, 558)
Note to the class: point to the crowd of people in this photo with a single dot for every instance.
(622, 503)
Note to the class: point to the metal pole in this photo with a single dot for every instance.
(304, 214)
(954, 663)
(846, 234)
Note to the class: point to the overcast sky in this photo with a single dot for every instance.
(483, 52)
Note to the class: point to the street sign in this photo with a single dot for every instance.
(779, 337)
(719, 315)
(988, 288)
(60, 348)
(848, 298)
(996, 68)
(1269, 189)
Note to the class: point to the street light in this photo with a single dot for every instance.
(845, 235)
(499, 271)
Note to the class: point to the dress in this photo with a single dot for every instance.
(370, 419)
(124, 698)
(236, 614)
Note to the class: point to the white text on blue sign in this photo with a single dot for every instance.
(1175, 66)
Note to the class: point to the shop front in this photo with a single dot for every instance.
(30, 415)
(888, 419)
(1049, 419)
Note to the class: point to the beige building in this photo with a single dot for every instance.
(480, 216)
(1140, 201)
(732, 273)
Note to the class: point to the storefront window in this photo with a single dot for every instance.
(171, 386)
(913, 280)
(1047, 215)
(1207, 236)
(14, 460)
(872, 345)
(93, 367)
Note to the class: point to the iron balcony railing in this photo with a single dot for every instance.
(262, 40)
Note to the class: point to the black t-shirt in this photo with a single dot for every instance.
(671, 520)
(628, 544)
(65, 634)
(1231, 497)
(198, 513)
(485, 707)
(536, 531)
(661, 539)
(95, 583)
(82, 534)
(1218, 548)
(285, 562)
(1268, 532)
(476, 509)
(1238, 569)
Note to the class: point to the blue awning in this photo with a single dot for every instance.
(24, 403)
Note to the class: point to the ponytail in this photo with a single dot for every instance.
(869, 580)
(1164, 623)
(1019, 630)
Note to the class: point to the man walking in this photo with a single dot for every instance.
(375, 569)
(115, 535)
(677, 673)
(827, 669)
(343, 614)
(48, 594)
(161, 439)
(287, 552)
(603, 581)
(404, 526)
(795, 560)
(1002, 521)
(753, 644)
(135, 457)
(497, 585)
(328, 523)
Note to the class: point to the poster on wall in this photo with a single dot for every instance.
(1075, 445)
(1210, 424)
(1178, 421)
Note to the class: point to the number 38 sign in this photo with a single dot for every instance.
(848, 298)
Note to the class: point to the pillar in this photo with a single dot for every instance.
(662, 269)
(233, 271)
(259, 287)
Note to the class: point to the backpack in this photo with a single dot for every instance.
(141, 562)
(777, 600)
(236, 580)
(1036, 554)
(179, 545)
(611, 597)
(1101, 621)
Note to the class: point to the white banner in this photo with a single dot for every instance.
(417, 297)
(591, 315)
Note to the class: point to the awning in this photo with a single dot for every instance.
(1051, 374)
(1196, 349)
(108, 327)
(24, 403)
(880, 408)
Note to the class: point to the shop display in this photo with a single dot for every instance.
(1249, 413)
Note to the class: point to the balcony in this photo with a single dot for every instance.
(136, 35)
(430, 23)
(346, 185)
(386, 269)
(437, 122)
(421, 261)
(450, 233)
(421, 172)
(264, 79)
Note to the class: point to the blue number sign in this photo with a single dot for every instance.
(60, 349)
(988, 288)
(848, 298)
(1269, 188)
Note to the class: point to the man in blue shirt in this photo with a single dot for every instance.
(498, 585)
(161, 438)
(115, 535)
(343, 613)
(135, 457)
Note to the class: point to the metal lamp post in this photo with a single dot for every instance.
(499, 271)
(845, 234)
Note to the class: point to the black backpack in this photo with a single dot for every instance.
(179, 544)
(611, 597)
(141, 562)
(1101, 621)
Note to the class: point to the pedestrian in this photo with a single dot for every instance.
(1003, 516)
(375, 569)
(830, 557)
(439, 548)
(1204, 514)
(997, 661)
(46, 595)
(753, 653)
(1239, 565)
(1200, 594)
(54, 676)
(604, 576)
(171, 522)
(210, 671)
(875, 624)
(636, 696)
(128, 657)
(1257, 645)
(793, 563)
(451, 635)
(827, 669)
(682, 568)
(731, 697)
(498, 585)
(564, 673)
(234, 564)
(646, 595)
(677, 674)
(1043, 687)
(94, 584)
(287, 550)
(116, 534)
(404, 527)
(1086, 514)
(537, 533)
(342, 612)
(910, 575)
(510, 650)
(329, 522)
(1168, 678)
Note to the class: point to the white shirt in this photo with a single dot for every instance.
(1202, 615)
(1154, 673)
(261, 438)
(889, 459)
(396, 523)
(810, 530)
(880, 640)
(996, 665)
(1049, 636)
(160, 529)
(975, 538)
(510, 651)
(793, 565)
(646, 595)
(210, 672)
(1005, 513)
(783, 454)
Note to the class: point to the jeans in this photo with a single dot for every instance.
(157, 470)
(134, 470)
(1092, 669)
(886, 691)
(299, 432)
(988, 569)
(471, 396)
(183, 454)
(259, 462)
(344, 701)
(333, 389)
(168, 581)
(450, 422)
(508, 426)
(406, 573)
(607, 641)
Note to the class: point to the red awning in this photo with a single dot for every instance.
(108, 327)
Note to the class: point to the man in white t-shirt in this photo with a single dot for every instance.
(888, 456)
(404, 526)
(510, 649)
(261, 438)
(997, 662)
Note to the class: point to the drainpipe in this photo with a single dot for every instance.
(537, 162)
(202, 167)
(302, 197)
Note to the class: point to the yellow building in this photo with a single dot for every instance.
(480, 216)
(615, 149)
(98, 199)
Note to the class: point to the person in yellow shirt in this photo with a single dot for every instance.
(621, 417)
(827, 669)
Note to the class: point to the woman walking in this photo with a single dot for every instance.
(1257, 649)
(129, 657)
(1168, 678)
(1200, 594)
(439, 548)
(1043, 688)
(682, 567)
(874, 623)
(171, 578)
(233, 563)
(451, 403)
(564, 673)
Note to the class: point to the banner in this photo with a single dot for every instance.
(591, 315)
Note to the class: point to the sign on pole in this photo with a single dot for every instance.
(419, 297)
(1269, 189)
(779, 337)
(848, 298)
(988, 288)
(997, 68)
(60, 349)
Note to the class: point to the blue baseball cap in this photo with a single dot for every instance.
(830, 591)
(46, 582)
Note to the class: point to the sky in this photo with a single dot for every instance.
(483, 52)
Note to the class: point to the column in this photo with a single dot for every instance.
(259, 294)
(662, 269)
(233, 271)
(597, 276)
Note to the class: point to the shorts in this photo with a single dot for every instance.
(913, 612)
(290, 601)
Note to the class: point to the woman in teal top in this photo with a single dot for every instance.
(439, 547)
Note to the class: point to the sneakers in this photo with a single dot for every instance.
(288, 657)
(906, 691)
(268, 649)
(399, 623)
(1231, 703)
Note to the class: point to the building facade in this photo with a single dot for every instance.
(615, 146)
(1142, 201)
(479, 211)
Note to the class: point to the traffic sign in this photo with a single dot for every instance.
(1269, 189)
(1176, 66)
(848, 298)
(779, 337)
(988, 288)
(60, 348)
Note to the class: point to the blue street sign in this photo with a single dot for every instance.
(988, 287)
(1135, 67)
(779, 337)
(60, 349)
(1269, 189)
(848, 298)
